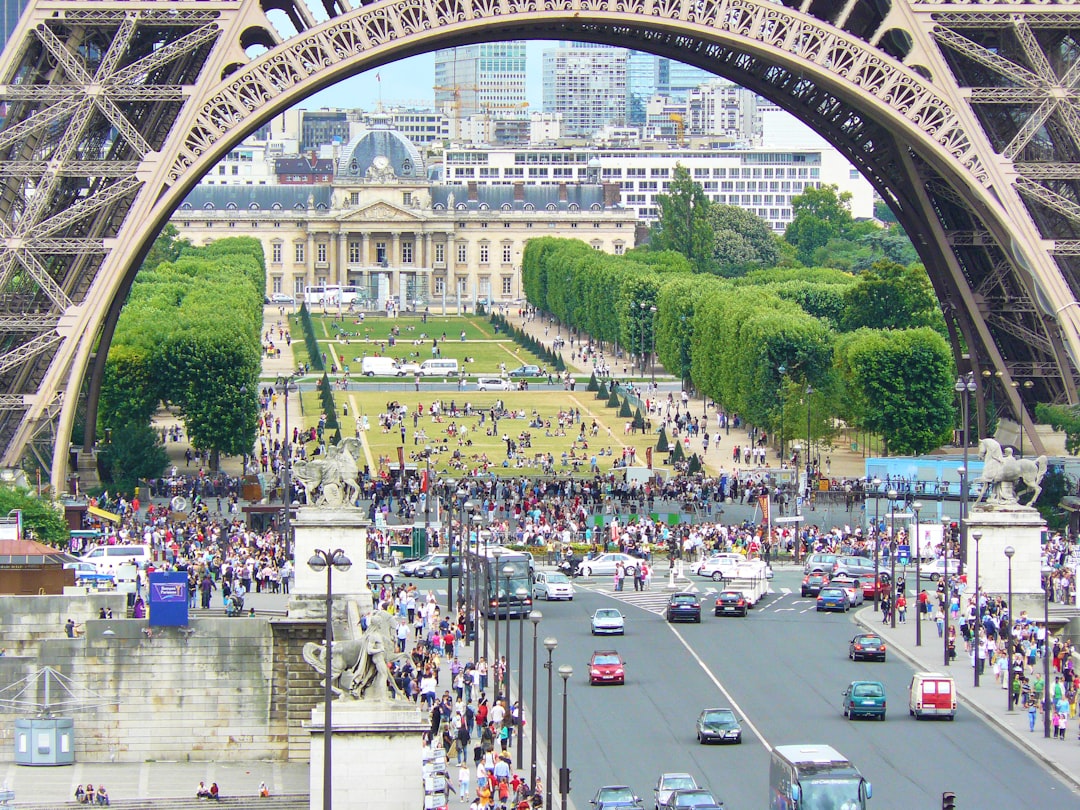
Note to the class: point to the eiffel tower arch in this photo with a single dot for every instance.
(963, 115)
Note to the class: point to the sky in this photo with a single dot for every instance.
(411, 81)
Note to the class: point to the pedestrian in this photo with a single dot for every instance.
(901, 608)
(939, 620)
(463, 781)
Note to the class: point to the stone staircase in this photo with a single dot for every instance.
(291, 801)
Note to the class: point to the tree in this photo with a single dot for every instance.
(742, 240)
(133, 455)
(43, 519)
(890, 296)
(683, 224)
(818, 215)
(662, 442)
(168, 247)
(1062, 418)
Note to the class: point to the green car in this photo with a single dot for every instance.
(864, 699)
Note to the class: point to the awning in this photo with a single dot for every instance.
(101, 513)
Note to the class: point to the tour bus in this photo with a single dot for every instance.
(315, 295)
(510, 595)
(815, 777)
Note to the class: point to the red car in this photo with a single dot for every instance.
(606, 666)
(868, 585)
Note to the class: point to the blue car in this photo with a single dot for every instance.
(832, 599)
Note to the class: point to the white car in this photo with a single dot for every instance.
(378, 573)
(551, 585)
(608, 621)
(605, 564)
(720, 566)
(936, 569)
(493, 384)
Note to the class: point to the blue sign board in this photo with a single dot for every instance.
(903, 554)
(168, 599)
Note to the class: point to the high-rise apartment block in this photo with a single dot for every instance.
(484, 79)
(10, 11)
(587, 86)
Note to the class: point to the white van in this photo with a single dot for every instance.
(112, 557)
(439, 368)
(379, 367)
(492, 384)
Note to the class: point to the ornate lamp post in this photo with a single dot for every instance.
(892, 557)
(965, 387)
(977, 629)
(917, 507)
(287, 383)
(328, 560)
(1046, 658)
(550, 643)
(565, 671)
(1009, 552)
(652, 355)
(521, 679)
(508, 571)
(493, 603)
(535, 617)
(877, 547)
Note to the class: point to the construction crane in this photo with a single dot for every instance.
(680, 128)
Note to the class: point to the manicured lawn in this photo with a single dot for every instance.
(547, 404)
(347, 342)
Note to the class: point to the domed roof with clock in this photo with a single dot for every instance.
(380, 154)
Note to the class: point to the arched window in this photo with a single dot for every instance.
(575, 207)
(485, 207)
(507, 207)
(530, 207)
(438, 207)
(551, 207)
(185, 207)
(461, 207)
(208, 206)
(276, 206)
(595, 207)
(230, 206)
(253, 207)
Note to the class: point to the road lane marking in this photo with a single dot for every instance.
(716, 681)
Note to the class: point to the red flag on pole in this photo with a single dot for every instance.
(424, 481)
(401, 459)
(648, 457)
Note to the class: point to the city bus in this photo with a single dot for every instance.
(815, 777)
(488, 568)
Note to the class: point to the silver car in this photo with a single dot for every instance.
(605, 564)
(551, 585)
(608, 622)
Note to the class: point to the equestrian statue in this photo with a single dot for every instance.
(334, 476)
(1001, 471)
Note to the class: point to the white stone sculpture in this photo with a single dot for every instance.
(334, 477)
(1001, 471)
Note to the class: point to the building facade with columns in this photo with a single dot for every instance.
(383, 228)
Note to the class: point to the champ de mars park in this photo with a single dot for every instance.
(781, 368)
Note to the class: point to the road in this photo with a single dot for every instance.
(783, 669)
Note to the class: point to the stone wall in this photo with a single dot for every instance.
(220, 689)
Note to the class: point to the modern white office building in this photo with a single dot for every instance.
(586, 85)
(760, 180)
(483, 79)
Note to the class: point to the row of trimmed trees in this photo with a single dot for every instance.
(758, 341)
(188, 337)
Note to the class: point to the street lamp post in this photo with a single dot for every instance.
(652, 355)
(892, 558)
(565, 671)
(809, 465)
(965, 386)
(521, 681)
(494, 602)
(977, 629)
(1009, 552)
(550, 644)
(945, 539)
(328, 560)
(1046, 658)
(481, 587)
(877, 547)
(287, 382)
(782, 371)
(535, 617)
(917, 507)
(641, 334)
(508, 571)
(1028, 385)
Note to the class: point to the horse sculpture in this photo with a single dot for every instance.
(360, 668)
(334, 477)
(1001, 471)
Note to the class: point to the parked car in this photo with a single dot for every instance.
(613, 797)
(819, 562)
(492, 384)
(936, 569)
(851, 587)
(604, 564)
(813, 583)
(867, 646)
(853, 566)
(282, 298)
(720, 566)
(669, 782)
(606, 666)
(683, 607)
(731, 602)
(831, 598)
(377, 573)
(88, 574)
(527, 371)
(718, 725)
(435, 566)
(551, 585)
(864, 699)
(608, 621)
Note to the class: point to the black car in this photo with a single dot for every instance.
(813, 583)
(867, 646)
(718, 725)
(683, 607)
(731, 602)
(698, 798)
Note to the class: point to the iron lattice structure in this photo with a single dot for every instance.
(963, 116)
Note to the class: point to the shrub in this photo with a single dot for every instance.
(592, 386)
(662, 442)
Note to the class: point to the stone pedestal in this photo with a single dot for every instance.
(329, 529)
(1017, 526)
(377, 753)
